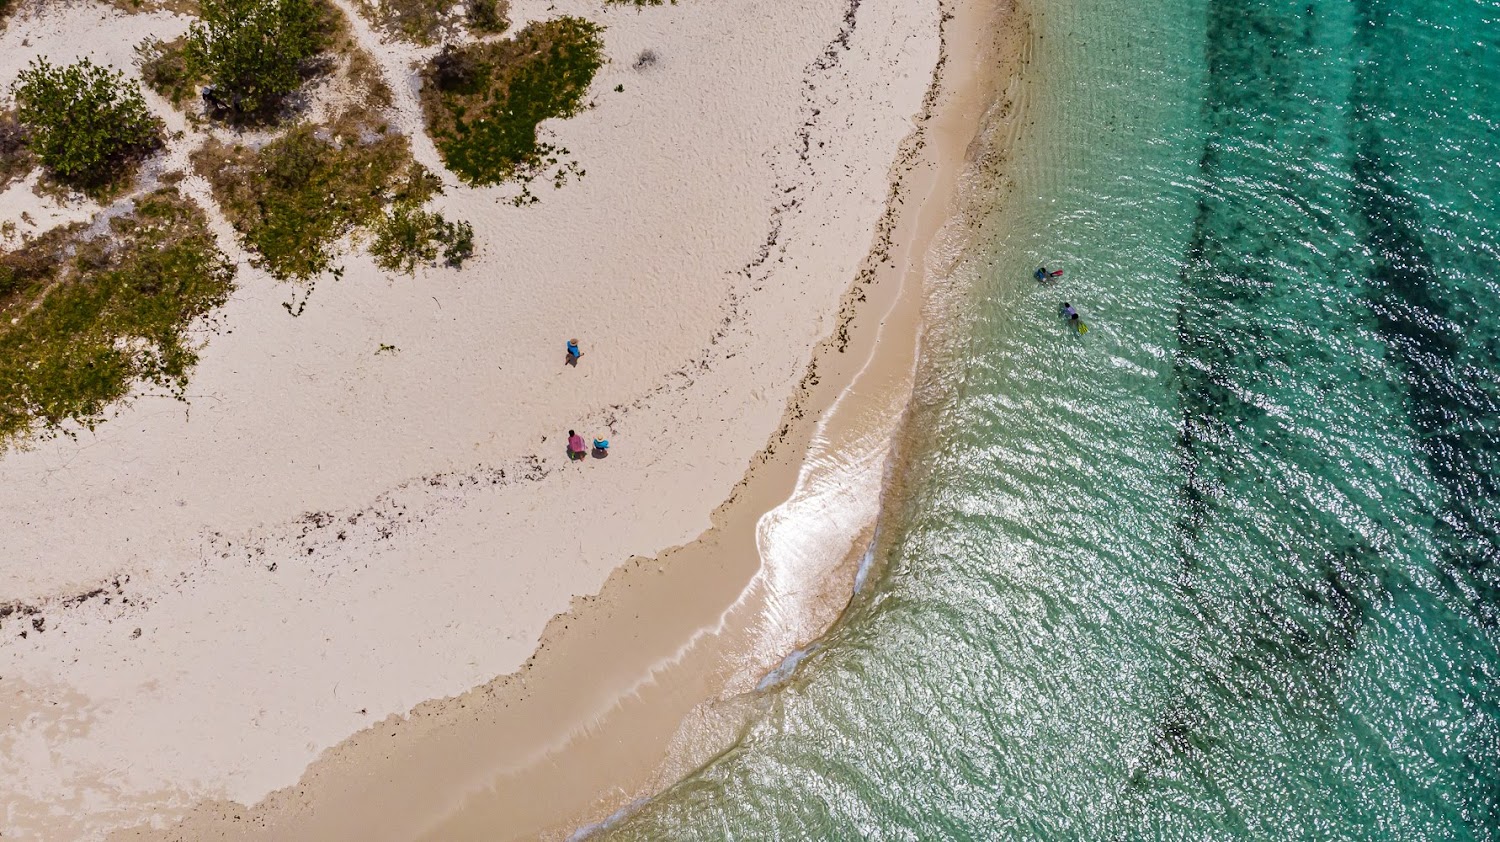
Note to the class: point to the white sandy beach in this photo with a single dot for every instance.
(324, 536)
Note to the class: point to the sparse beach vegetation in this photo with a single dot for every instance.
(255, 52)
(293, 196)
(483, 102)
(16, 159)
(429, 21)
(85, 317)
(420, 21)
(87, 124)
(171, 69)
(291, 199)
(487, 16)
(187, 8)
(407, 236)
(164, 68)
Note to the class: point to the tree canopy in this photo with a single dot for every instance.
(253, 51)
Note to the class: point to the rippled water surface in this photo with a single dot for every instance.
(1227, 565)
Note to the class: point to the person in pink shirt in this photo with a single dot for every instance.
(576, 450)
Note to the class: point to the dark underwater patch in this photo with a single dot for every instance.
(1419, 314)
(1282, 635)
(1418, 317)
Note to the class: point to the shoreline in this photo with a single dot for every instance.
(613, 708)
(262, 638)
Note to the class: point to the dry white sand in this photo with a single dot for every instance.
(323, 535)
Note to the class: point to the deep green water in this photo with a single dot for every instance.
(1226, 566)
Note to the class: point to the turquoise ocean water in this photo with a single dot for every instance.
(1226, 566)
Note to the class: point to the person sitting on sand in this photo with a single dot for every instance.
(601, 447)
(574, 352)
(575, 446)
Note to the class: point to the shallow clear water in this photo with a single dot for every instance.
(1226, 566)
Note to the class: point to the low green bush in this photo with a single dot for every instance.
(483, 102)
(83, 320)
(86, 123)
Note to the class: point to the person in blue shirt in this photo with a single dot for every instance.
(573, 352)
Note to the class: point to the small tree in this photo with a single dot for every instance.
(86, 122)
(253, 51)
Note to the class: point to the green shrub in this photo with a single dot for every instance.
(408, 237)
(294, 197)
(482, 102)
(254, 52)
(77, 332)
(87, 123)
